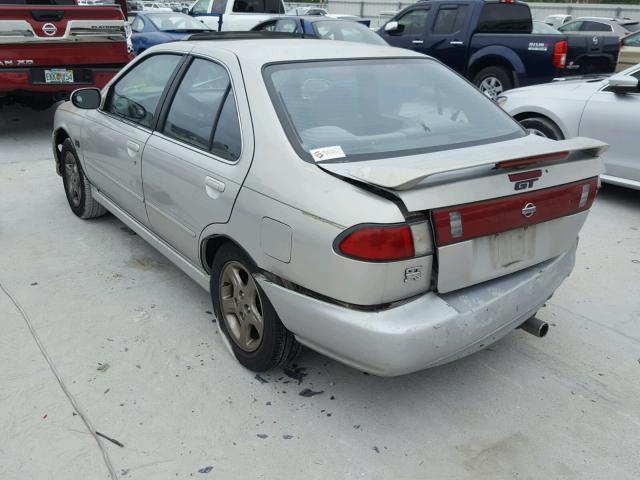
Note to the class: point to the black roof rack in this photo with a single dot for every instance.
(243, 35)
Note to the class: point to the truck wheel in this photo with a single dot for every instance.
(492, 81)
(542, 127)
(76, 185)
(247, 319)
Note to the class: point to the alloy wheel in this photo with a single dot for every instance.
(72, 179)
(241, 306)
(491, 87)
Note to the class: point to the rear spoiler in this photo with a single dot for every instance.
(405, 173)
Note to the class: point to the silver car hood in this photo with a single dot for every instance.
(404, 173)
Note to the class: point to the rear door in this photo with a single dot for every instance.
(447, 40)
(196, 161)
(114, 137)
(412, 28)
(614, 118)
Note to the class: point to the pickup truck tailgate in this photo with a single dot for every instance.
(494, 209)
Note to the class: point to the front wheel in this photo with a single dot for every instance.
(257, 337)
(493, 81)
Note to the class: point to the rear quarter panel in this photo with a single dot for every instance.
(530, 55)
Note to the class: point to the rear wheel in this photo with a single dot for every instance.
(76, 185)
(492, 81)
(542, 127)
(257, 337)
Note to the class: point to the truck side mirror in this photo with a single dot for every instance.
(86, 98)
(393, 27)
(622, 84)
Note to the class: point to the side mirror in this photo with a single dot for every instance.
(86, 98)
(622, 84)
(392, 27)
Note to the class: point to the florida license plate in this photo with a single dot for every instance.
(58, 75)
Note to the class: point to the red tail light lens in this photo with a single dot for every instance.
(560, 54)
(378, 243)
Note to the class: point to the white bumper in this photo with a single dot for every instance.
(427, 331)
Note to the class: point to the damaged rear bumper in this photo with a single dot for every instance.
(427, 331)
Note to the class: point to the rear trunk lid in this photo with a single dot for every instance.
(50, 35)
(494, 209)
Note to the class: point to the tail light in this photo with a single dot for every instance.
(385, 243)
(560, 54)
(472, 220)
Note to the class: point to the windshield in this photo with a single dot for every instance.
(346, 31)
(632, 27)
(366, 109)
(175, 21)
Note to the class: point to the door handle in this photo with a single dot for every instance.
(133, 146)
(417, 42)
(455, 42)
(213, 186)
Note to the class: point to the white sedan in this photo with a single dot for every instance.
(604, 108)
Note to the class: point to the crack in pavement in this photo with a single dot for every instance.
(54, 370)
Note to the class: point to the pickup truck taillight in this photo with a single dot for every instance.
(560, 54)
(385, 243)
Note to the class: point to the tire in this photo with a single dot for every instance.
(76, 185)
(493, 81)
(543, 127)
(238, 301)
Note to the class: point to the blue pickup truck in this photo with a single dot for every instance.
(489, 42)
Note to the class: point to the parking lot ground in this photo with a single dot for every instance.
(136, 347)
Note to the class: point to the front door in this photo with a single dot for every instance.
(411, 30)
(614, 118)
(196, 161)
(114, 137)
(447, 42)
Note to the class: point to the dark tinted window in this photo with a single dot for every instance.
(219, 6)
(632, 27)
(450, 19)
(412, 22)
(227, 140)
(258, 6)
(136, 95)
(197, 103)
(589, 26)
(505, 17)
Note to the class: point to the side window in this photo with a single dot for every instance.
(219, 6)
(136, 95)
(412, 22)
(137, 25)
(227, 141)
(286, 25)
(450, 19)
(269, 26)
(596, 27)
(203, 111)
(571, 27)
(631, 41)
(201, 7)
(258, 6)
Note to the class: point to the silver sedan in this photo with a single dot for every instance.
(604, 108)
(331, 197)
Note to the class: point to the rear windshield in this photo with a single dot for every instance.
(365, 109)
(505, 18)
(37, 2)
(632, 27)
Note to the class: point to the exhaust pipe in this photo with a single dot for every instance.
(535, 327)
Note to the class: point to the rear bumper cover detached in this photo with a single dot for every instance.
(430, 330)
